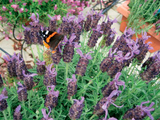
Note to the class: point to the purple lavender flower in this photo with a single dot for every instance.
(46, 116)
(20, 65)
(113, 85)
(128, 33)
(83, 63)
(105, 64)
(143, 47)
(4, 92)
(139, 112)
(95, 18)
(50, 76)
(3, 102)
(35, 28)
(106, 102)
(72, 86)
(22, 92)
(40, 67)
(81, 19)
(11, 64)
(110, 38)
(68, 50)
(52, 23)
(17, 114)
(152, 71)
(28, 80)
(107, 25)
(27, 35)
(118, 64)
(67, 23)
(76, 109)
(34, 19)
(1, 81)
(52, 97)
(56, 57)
(94, 37)
(87, 23)
(151, 60)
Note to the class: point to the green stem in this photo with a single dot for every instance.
(33, 54)
(98, 50)
(71, 100)
(24, 108)
(4, 114)
(91, 118)
(66, 75)
(29, 94)
(90, 82)
(38, 50)
(78, 77)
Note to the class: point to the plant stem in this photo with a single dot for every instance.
(78, 77)
(24, 108)
(98, 50)
(66, 75)
(39, 53)
(4, 114)
(90, 82)
(91, 118)
(29, 99)
(33, 54)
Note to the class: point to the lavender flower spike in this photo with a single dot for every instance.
(147, 110)
(46, 116)
(87, 56)
(73, 79)
(52, 71)
(116, 82)
(3, 102)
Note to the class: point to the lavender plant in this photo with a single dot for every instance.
(90, 86)
(142, 12)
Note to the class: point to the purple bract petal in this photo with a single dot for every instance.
(40, 62)
(76, 45)
(3, 97)
(79, 102)
(88, 56)
(26, 28)
(52, 92)
(73, 36)
(80, 52)
(17, 110)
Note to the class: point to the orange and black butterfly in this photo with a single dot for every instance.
(51, 40)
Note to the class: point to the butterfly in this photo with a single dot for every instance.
(51, 40)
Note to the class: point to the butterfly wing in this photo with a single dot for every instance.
(55, 40)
